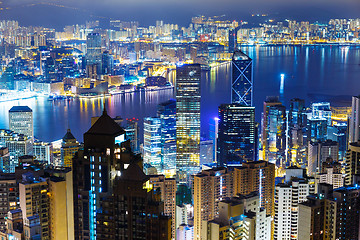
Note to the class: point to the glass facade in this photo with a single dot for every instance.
(242, 79)
(237, 134)
(187, 120)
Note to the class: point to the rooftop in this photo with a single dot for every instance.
(20, 109)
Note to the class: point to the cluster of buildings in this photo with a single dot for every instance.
(294, 175)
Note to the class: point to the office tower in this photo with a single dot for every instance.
(107, 63)
(354, 121)
(239, 218)
(232, 40)
(330, 173)
(242, 79)
(287, 197)
(213, 134)
(210, 187)
(352, 162)
(152, 143)
(106, 173)
(318, 152)
(297, 112)
(296, 150)
(167, 188)
(340, 134)
(69, 146)
(38, 203)
(206, 151)
(237, 135)
(331, 215)
(317, 129)
(321, 110)
(257, 176)
(166, 111)
(43, 151)
(187, 121)
(93, 52)
(21, 120)
(9, 197)
(274, 131)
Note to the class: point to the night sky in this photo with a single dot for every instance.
(58, 13)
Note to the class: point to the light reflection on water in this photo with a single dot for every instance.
(309, 70)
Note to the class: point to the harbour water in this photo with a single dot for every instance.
(314, 73)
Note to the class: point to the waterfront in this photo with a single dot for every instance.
(311, 72)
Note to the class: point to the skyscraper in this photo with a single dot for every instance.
(256, 176)
(111, 200)
(354, 121)
(242, 79)
(237, 135)
(166, 111)
(232, 39)
(21, 120)
(352, 166)
(187, 121)
(152, 143)
(93, 52)
(210, 187)
(69, 146)
(274, 131)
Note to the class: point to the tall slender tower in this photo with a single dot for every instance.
(354, 121)
(21, 120)
(242, 79)
(187, 121)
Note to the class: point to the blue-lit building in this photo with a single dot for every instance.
(152, 143)
(242, 79)
(274, 131)
(232, 39)
(317, 129)
(166, 112)
(237, 134)
(187, 121)
(107, 63)
(93, 51)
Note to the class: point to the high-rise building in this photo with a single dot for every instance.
(239, 218)
(317, 129)
(93, 51)
(318, 152)
(232, 40)
(331, 215)
(21, 120)
(166, 111)
(9, 198)
(187, 121)
(38, 203)
(274, 131)
(107, 175)
(242, 79)
(354, 121)
(210, 187)
(69, 146)
(256, 176)
(352, 162)
(321, 110)
(107, 63)
(237, 134)
(43, 151)
(330, 173)
(152, 143)
(131, 128)
(213, 134)
(206, 151)
(287, 197)
(167, 188)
